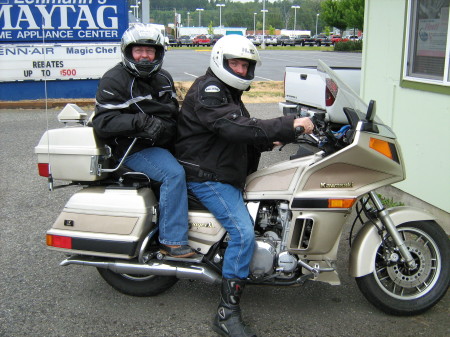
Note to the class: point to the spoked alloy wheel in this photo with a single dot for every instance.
(397, 289)
(138, 285)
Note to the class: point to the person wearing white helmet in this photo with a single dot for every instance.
(219, 144)
(136, 98)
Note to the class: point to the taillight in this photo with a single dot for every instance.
(44, 169)
(331, 90)
(59, 241)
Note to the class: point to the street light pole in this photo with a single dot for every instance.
(199, 10)
(317, 19)
(220, 15)
(264, 10)
(188, 13)
(254, 23)
(295, 15)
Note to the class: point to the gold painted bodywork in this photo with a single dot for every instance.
(128, 215)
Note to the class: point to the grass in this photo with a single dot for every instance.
(389, 202)
(261, 91)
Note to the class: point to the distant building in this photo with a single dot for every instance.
(295, 32)
(216, 30)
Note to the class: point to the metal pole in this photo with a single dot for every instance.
(317, 19)
(254, 23)
(145, 11)
(220, 15)
(263, 44)
(295, 15)
(199, 10)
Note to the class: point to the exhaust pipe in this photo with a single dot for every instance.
(192, 272)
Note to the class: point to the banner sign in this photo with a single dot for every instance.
(51, 61)
(62, 20)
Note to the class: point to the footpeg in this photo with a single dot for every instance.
(196, 258)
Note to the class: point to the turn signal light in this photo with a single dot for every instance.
(44, 169)
(341, 203)
(381, 146)
(59, 241)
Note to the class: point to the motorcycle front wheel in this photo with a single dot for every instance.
(137, 285)
(398, 290)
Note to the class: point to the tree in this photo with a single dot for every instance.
(354, 13)
(210, 28)
(333, 14)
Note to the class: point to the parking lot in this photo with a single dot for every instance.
(40, 298)
(188, 64)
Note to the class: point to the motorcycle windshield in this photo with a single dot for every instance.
(339, 95)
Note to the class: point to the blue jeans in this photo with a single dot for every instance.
(160, 165)
(226, 203)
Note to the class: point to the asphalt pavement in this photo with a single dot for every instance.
(40, 298)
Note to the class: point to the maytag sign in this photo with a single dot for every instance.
(62, 20)
(57, 40)
(57, 62)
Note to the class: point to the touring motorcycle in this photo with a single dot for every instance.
(399, 256)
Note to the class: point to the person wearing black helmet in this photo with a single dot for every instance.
(137, 98)
(219, 144)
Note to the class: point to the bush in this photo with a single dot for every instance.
(348, 45)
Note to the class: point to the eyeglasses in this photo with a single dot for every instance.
(144, 50)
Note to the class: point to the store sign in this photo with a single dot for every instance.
(62, 20)
(52, 61)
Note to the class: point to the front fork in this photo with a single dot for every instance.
(386, 220)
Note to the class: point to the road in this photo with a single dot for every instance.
(187, 65)
(40, 298)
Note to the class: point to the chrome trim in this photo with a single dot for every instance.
(180, 270)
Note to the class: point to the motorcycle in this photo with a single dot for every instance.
(399, 256)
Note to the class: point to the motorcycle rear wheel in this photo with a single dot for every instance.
(397, 290)
(137, 285)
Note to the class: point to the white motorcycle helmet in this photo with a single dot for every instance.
(234, 47)
(142, 35)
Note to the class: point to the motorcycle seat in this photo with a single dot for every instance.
(126, 177)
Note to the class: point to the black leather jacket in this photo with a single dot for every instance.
(127, 106)
(217, 139)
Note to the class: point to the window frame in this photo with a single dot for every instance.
(415, 81)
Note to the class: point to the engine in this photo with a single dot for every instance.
(270, 258)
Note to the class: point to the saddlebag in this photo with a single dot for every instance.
(104, 221)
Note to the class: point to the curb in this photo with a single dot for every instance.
(50, 103)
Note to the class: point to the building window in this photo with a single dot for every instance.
(427, 42)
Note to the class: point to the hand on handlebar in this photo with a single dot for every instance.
(305, 123)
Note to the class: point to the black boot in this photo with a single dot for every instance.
(228, 320)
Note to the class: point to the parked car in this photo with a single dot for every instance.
(255, 40)
(201, 40)
(184, 40)
(171, 41)
(285, 40)
(321, 40)
(301, 39)
(311, 41)
(350, 38)
(215, 38)
(335, 38)
(270, 40)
